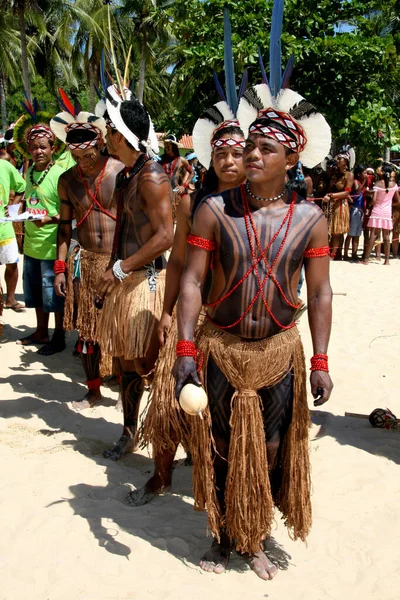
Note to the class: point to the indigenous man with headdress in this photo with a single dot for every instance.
(86, 192)
(218, 141)
(339, 189)
(177, 168)
(34, 138)
(133, 289)
(250, 450)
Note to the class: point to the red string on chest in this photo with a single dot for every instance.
(95, 201)
(250, 228)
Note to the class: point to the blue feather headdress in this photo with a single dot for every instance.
(313, 134)
(223, 114)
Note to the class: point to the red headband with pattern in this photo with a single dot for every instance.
(289, 133)
(230, 143)
(86, 127)
(40, 132)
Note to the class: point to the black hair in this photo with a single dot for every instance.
(175, 150)
(80, 136)
(8, 134)
(137, 119)
(295, 183)
(386, 174)
(359, 169)
(210, 183)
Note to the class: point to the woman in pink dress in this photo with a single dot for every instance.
(385, 194)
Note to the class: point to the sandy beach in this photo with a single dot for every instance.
(67, 535)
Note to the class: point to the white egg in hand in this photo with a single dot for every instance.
(193, 399)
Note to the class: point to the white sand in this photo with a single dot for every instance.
(65, 533)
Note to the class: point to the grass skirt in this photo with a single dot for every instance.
(80, 312)
(250, 366)
(340, 222)
(129, 316)
(396, 220)
(164, 423)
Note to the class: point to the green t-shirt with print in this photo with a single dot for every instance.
(64, 160)
(10, 181)
(41, 242)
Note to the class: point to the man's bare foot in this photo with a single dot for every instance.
(262, 566)
(126, 443)
(217, 558)
(33, 339)
(142, 496)
(91, 398)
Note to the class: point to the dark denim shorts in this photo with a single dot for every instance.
(38, 285)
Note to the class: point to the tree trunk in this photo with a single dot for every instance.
(24, 53)
(387, 154)
(142, 72)
(92, 91)
(3, 102)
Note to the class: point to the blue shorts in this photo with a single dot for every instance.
(356, 221)
(38, 285)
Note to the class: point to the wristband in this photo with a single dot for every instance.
(188, 348)
(60, 266)
(118, 272)
(319, 362)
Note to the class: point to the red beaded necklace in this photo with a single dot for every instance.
(249, 223)
(94, 196)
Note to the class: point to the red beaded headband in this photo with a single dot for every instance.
(225, 125)
(295, 138)
(230, 143)
(39, 131)
(83, 145)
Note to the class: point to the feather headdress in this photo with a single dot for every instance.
(34, 123)
(273, 110)
(73, 118)
(349, 154)
(119, 93)
(223, 114)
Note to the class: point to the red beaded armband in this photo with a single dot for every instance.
(60, 266)
(202, 243)
(317, 252)
(319, 362)
(188, 348)
(347, 189)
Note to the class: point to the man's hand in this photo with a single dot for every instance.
(185, 371)
(321, 380)
(163, 328)
(60, 285)
(45, 221)
(106, 284)
(180, 190)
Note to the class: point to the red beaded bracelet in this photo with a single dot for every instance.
(319, 362)
(188, 348)
(60, 266)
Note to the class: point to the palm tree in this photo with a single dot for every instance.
(20, 7)
(151, 23)
(10, 53)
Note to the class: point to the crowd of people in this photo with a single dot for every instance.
(104, 212)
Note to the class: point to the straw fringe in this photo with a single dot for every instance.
(248, 498)
(340, 218)
(80, 312)
(396, 218)
(164, 423)
(129, 316)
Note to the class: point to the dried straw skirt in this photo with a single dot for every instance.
(340, 222)
(164, 423)
(80, 312)
(130, 314)
(250, 366)
(396, 219)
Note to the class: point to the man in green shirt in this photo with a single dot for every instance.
(40, 244)
(10, 181)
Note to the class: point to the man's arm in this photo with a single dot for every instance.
(176, 263)
(190, 298)
(64, 235)
(319, 301)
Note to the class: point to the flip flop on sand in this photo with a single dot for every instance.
(16, 307)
